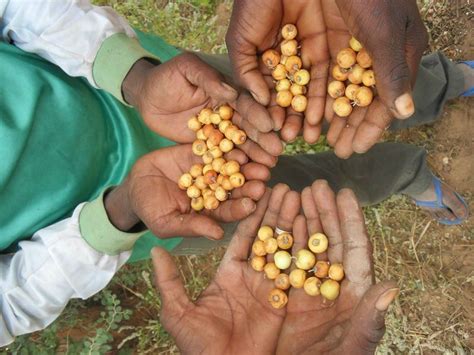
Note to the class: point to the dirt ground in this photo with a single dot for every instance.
(453, 159)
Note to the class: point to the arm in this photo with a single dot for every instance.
(77, 257)
(66, 33)
(59, 264)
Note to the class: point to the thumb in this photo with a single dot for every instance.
(191, 225)
(368, 321)
(207, 78)
(393, 77)
(245, 66)
(248, 75)
(168, 281)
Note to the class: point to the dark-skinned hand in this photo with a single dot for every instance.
(249, 36)
(150, 194)
(394, 35)
(354, 322)
(232, 315)
(391, 31)
(169, 94)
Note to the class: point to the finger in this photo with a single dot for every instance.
(234, 209)
(252, 189)
(416, 44)
(168, 281)
(258, 155)
(268, 141)
(255, 171)
(311, 133)
(371, 129)
(317, 93)
(343, 148)
(310, 211)
(204, 76)
(357, 248)
(328, 110)
(325, 201)
(237, 155)
(254, 113)
(278, 115)
(251, 78)
(335, 128)
(241, 243)
(300, 234)
(393, 77)
(370, 315)
(313, 222)
(189, 225)
(290, 208)
(292, 127)
(276, 199)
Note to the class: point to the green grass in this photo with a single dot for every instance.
(194, 25)
(431, 314)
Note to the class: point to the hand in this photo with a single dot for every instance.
(249, 36)
(169, 94)
(232, 315)
(150, 194)
(354, 322)
(394, 35)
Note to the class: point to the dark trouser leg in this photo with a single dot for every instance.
(386, 169)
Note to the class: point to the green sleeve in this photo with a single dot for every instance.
(115, 58)
(100, 233)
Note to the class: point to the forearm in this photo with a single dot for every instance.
(75, 258)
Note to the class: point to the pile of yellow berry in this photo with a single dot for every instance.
(355, 80)
(210, 183)
(308, 272)
(290, 78)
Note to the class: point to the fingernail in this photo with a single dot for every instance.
(405, 106)
(154, 252)
(229, 88)
(249, 205)
(386, 299)
(218, 235)
(271, 126)
(255, 96)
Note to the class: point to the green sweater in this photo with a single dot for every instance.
(62, 142)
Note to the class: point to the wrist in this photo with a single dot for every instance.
(133, 82)
(119, 209)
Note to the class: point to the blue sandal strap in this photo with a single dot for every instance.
(469, 92)
(439, 197)
(468, 62)
(439, 203)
